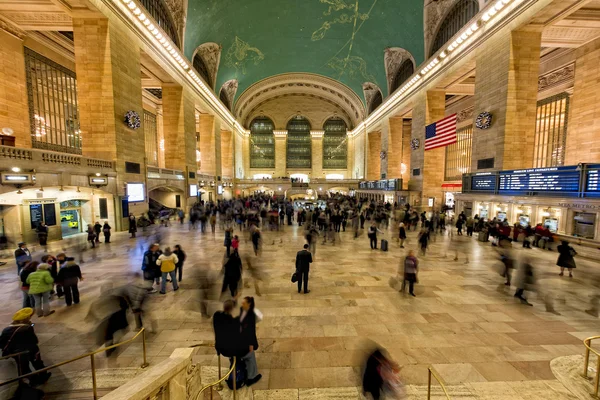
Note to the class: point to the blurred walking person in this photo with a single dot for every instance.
(410, 269)
(565, 258)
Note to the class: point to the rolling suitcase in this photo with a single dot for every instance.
(384, 245)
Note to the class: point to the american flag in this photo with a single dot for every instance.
(441, 133)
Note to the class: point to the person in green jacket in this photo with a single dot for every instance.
(40, 284)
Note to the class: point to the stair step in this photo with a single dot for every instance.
(77, 394)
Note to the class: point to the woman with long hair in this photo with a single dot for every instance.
(248, 338)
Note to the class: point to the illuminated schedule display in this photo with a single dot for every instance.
(592, 180)
(555, 180)
(484, 182)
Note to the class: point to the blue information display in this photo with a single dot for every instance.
(484, 183)
(592, 180)
(555, 180)
(389, 185)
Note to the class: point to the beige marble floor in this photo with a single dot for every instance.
(464, 321)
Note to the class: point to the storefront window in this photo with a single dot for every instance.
(458, 155)
(551, 131)
(52, 98)
(151, 136)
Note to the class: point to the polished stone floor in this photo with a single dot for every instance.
(464, 322)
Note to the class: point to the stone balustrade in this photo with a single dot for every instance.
(49, 160)
(165, 173)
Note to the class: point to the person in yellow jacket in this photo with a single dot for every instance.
(167, 262)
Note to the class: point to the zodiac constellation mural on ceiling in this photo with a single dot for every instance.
(241, 53)
(345, 12)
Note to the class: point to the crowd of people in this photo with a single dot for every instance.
(248, 219)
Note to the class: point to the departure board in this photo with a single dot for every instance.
(484, 182)
(592, 180)
(556, 180)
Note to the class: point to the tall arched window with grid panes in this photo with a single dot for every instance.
(458, 16)
(262, 143)
(299, 149)
(335, 144)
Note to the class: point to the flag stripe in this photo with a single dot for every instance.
(441, 133)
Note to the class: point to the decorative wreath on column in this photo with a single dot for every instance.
(382, 155)
(483, 120)
(415, 144)
(132, 119)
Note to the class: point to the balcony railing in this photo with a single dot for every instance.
(39, 159)
(164, 173)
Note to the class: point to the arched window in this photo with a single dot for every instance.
(375, 101)
(405, 71)
(299, 150)
(224, 99)
(202, 70)
(335, 144)
(161, 14)
(459, 15)
(262, 143)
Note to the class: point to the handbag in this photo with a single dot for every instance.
(295, 277)
(258, 314)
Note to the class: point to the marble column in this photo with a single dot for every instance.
(317, 154)
(14, 108)
(179, 128)
(373, 156)
(280, 154)
(506, 86)
(227, 153)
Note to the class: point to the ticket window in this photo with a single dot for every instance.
(523, 214)
(550, 219)
(584, 225)
(502, 213)
(484, 212)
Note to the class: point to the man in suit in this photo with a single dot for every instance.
(22, 256)
(303, 260)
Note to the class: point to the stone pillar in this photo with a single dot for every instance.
(227, 153)
(406, 152)
(246, 155)
(14, 108)
(317, 154)
(396, 148)
(350, 173)
(107, 63)
(373, 158)
(584, 116)
(385, 139)
(429, 108)
(179, 128)
(280, 155)
(506, 85)
(160, 137)
(210, 132)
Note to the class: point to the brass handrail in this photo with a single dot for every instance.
(18, 356)
(210, 385)
(92, 360)
(437, 378)
(587, 343)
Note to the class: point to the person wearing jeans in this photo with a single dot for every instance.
(40, 284)
(167, 262)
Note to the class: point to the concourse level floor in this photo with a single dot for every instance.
(464, 321)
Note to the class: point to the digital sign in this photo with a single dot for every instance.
(194, 190)
(135, 192)
(592, 180)
(390, 185)
(556, 180)
(484, 182)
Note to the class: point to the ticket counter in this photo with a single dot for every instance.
(523, 214)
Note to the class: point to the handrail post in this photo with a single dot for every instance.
(586, 361)
(428, 384)
(94, 388)
(145, 363)
(235, 376)
(597, 381)
(219, 386)
(19, 365)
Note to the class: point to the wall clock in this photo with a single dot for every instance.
(132, 119)
(415, 143)
(483, 120)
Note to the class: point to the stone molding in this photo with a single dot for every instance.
(300, 84)
(393, 59)
(465, 114)
(370, 90)
(57, 20)
(11, 28)
(230, 88)
(211, 54)
(556, 77)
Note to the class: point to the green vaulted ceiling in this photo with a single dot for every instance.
(341, 39)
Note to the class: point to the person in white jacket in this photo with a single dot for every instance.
(167, 262)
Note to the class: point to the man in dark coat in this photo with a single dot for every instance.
(149, 266)
(303, 260)
(227, 332)
(22, 256)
